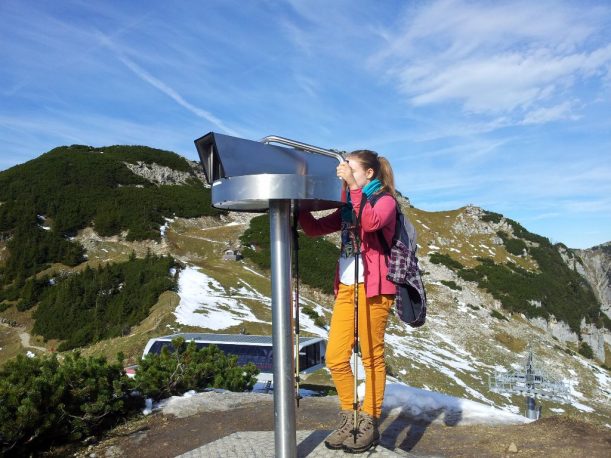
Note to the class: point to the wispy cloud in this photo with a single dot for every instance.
(167, 90)
(543, 115)
(500, 58)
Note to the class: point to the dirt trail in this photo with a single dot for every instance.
(25, 342)
(164, 435)
(25, 339)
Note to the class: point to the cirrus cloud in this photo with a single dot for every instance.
(497, 59)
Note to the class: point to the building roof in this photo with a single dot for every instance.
(233, 338)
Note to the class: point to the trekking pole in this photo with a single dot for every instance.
(296, 297)
(357, 253)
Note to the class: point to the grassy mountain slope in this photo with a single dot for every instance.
(50, 198)
(523, 271)
(47, 201)
(461, 345)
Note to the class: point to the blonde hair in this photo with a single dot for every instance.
(380, 166)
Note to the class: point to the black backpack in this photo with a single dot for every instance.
(403, 270)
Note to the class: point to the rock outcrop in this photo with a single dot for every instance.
(162, 175)
(596, 268)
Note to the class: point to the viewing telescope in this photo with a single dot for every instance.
(250, 176)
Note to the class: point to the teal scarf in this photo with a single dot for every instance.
(369, 189)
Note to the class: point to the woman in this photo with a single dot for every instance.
(365, 174)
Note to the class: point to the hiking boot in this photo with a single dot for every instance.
(367, 435)
(344, 427)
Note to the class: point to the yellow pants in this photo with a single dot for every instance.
(373, 315)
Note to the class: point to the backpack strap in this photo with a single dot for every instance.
(372, 200)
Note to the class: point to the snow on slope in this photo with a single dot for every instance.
(418, 404)
(435, 355)
(204, 302)
(429, 405)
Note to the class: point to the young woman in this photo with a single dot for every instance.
(365, 174)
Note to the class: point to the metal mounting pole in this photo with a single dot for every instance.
(284, 373)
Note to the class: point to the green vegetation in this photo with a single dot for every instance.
(498, 316)
(317, 257)
(451, 284)
(561, 291)
(72, 187)
(318, 320)
(514, 246)
(98, 304)
(520, 232)
(446, 260)
(32, 249)
(45, 402)
(586, 350)
(492, 217)
(186, 368)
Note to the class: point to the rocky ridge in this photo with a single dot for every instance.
(595, 266)
(162, 175)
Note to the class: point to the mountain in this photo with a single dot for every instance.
(103, 248)
(595, 265)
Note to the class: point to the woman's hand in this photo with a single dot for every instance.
(344, 171)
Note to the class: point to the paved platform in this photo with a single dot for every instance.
(260, 444)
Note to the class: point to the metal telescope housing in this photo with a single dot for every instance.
(245, 175)
(252, 176)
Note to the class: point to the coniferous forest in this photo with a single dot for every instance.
(102, 303)
(317, 257)
(44, 202)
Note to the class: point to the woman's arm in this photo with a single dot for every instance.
(376, 217)
(325, 225)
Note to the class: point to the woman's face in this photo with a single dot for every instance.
(361, 176)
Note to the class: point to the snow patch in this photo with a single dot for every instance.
(204, 302)
(254, 272)
(429, 406)
(163, 229)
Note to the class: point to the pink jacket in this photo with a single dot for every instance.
(381, 216)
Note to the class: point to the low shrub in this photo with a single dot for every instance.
(586, 351)
(318, 320)
(184, 367)
(492, 217)
(498, 316)
(451, 284)
(469, 275)
(446, 260)
(513, 246)
(46, 403)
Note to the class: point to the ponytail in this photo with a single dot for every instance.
(386, 176)
(381, 168)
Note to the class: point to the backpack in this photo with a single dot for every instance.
(403, 270)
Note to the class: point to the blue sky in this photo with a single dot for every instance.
(505, 105)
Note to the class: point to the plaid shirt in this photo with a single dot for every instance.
(403, 271)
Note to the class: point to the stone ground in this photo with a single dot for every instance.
(226, 424)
